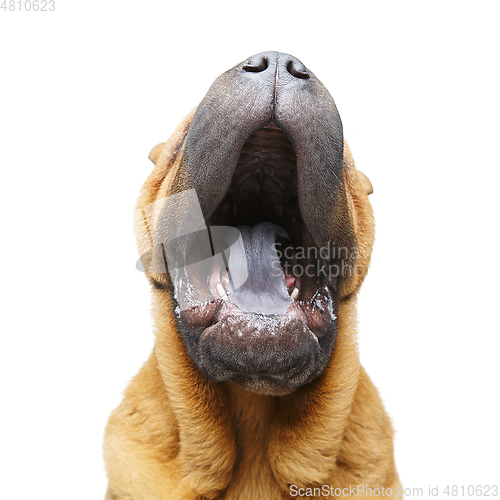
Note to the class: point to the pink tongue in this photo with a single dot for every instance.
(265, 290)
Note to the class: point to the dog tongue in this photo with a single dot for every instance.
(264, 290)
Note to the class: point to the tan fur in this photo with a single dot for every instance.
(365, 182)
(178, 435)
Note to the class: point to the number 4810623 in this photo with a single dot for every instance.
(28, 5)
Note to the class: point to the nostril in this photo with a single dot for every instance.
(253, 67)
(297, 71)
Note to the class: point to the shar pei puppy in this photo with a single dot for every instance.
(255, 231)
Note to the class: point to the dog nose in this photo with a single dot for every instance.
(276, 63)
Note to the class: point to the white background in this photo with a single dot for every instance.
(88, 89)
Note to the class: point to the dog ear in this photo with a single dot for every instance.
(155, 152)
(364, 181)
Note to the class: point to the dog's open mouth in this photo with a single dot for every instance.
(274, 268)
(262, 303)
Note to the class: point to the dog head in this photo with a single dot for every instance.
(254, 225)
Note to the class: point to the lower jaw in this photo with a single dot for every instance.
(262, 354)
(268, 354)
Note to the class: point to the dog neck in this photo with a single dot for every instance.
(260, 431)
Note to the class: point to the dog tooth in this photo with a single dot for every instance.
(225, 280)
(295, 293)
(225, 297)
(220, 289)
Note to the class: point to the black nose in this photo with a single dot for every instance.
(277, 63)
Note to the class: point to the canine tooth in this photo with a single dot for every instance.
(225, 280)
(225, 297)
(220, 290)
(295, 293)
